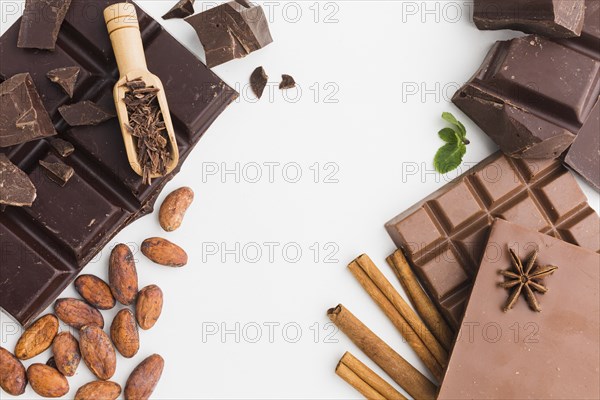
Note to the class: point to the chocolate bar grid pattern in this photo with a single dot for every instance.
(34, 238)
(445, 235)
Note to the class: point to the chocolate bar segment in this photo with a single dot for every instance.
(551, 18)
(41, 23)
(444, 235)
(16, 188)
(85, 113)
(67, 226)
(22, 115)
(231, 30)
(584, 154)
(523, 354)
(527, 98)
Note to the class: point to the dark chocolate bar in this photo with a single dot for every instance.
(551, 18)
(67, 226)
(444, 235)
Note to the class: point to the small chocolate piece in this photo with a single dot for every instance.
(183, 8)
(16, 189)
(231, 30)
(22, 115)
(287, 82)
(527, 98)
(58, 172)
(62, 147)
(443, 235)
(551, 18)
(41, 23)
(65, 77)
(258, 81)
(584, 154)
(84, 113)
(522, 354)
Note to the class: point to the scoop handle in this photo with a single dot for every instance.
(124, 30)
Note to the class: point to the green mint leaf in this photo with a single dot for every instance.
(449, 157)
(448, 117)
(448, 135)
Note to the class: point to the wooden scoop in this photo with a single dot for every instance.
(124, 30)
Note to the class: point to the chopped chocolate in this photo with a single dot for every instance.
(183, 8)
(41, 23)
(22, 115)
(65, 77)
(528, 99)
(584, 154)
(551, 18)
(258, 81)
(16, 189)
(62, 147)
(84, 113)
(146, 124)
(287, 82)
(58, 172)
(231, 30)
(522, 354)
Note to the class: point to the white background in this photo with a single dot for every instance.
(365, 55)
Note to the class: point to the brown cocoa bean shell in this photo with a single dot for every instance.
(97, 352)
(122, 275)
(52, 363)
(77, 313)
(148, 306)
(144, 378)
(37, 338)
(124, 333)
(173, 208)
(99, 390)
(163, 252)
(95, 291)
(66, 353)
(47, 381)
(13, 378)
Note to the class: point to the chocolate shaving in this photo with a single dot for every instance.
(65, 77)
(183, 8)
(58, 172)
(287, 82)
(84, 113)
(62, 147)
(16, 189)
(258, 81)
(147, 125)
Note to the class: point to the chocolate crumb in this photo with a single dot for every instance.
(16, 189)
(62, 147)
(258, 81)
(287, 82)
(58, 172)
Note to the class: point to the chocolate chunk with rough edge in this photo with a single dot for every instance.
(58, 172)
(183, 8)
(287, 82)
(65, 77)
(258, 81)
(16, 189)
(41, 23)
(551, 18)
(231, 30)
(84, 113)
(22, 115)
(584, 154)
(62, 147)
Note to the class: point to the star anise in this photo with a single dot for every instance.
(525, 279)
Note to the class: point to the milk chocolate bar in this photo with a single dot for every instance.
(46, 245)
(444, 235)
(520, 353)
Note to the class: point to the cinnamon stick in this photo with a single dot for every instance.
(363, 379)
(416, 334)
(419, 299)
(404, 374)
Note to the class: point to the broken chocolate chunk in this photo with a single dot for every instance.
(16, 189)
(231, 30)
(84, 113)
(551, 18)
(287, 82)
(22, 115)
(584, 154)
(41, 23)
(58, 172)
(258, 81)
(62, 147)
(183, 8)
(65, 77)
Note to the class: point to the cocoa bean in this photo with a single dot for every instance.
(124, 333)
(47, 381)
(144, 378)
(149, 306)
(122, 274)
(37, 338)
(173, 208)
(13, 378)
(95, 291)
(163, 252)
(99, 390)
(97, 352)
(66, 353)
(77, 313)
